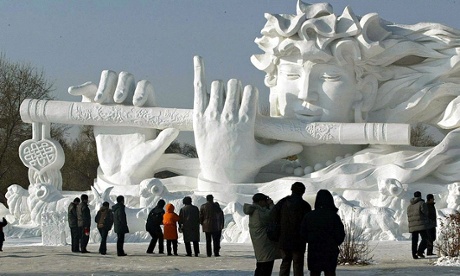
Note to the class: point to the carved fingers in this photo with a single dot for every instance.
(87, 91)
(248, 109)
(106, 88)
(124, 89)
(113, 88)
(199, 84)
(232, 101)
(228, 103)
(144, 95)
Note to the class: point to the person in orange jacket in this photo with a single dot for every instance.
(170, 220)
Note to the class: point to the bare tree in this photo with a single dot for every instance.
(420, 136)
(355, 249)
(18, 81)
(80, 168)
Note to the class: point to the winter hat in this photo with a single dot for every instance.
(258, 197)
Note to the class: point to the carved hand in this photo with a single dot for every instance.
(223, 124)
(127, 155)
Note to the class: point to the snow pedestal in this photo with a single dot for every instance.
(54, 227)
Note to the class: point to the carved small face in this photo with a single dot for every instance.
(313, 91)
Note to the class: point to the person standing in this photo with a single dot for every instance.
(120, 224)
(212, 222)
(72, 219)
(170, 220)
(431, 232)
(84, 222)
(189, 223)
(3, 223)
(265, 250)
(324, 232)
(417, 216)
(104, 221)
(288, 214)
(153, 226)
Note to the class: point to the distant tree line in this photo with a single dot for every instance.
(18, 81)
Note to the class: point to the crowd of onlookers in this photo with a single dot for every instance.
(277, 231)
(210, 216)
(284, 229)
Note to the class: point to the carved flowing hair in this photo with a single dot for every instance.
(415, 68)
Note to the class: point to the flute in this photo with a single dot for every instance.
(85, 113)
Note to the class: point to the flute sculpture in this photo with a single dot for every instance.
(81, 113)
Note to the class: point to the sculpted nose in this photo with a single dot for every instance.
(308, 91)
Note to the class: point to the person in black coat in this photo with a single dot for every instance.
(189, 223)
(431, 231)
(212, 223)
(84, 222)
(288, 214)
(3, 223)
(153, 226)
(72, 218)
(324, 232)
(120, 224)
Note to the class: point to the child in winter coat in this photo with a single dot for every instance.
(170, 220)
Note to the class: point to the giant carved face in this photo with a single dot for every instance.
(315, 91)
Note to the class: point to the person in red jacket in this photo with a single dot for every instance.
(170, 220)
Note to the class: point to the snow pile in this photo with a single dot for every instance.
(447, 261)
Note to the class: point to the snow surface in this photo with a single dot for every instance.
(29, 257)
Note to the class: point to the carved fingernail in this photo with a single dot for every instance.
(119, 94)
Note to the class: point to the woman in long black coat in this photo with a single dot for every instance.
(324, 232)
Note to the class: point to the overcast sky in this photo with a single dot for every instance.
(73, 41)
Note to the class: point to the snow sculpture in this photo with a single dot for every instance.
(17, 204)
(54, 228)
(377, 222)
(152, 190)
(42, 155)
(337, 84)
(44, 198)
(453, 198)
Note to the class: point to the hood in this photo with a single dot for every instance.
(248, 209)
(324, 200)
(169, 208)
(415, 200)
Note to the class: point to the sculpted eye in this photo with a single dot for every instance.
(331, 77)
(292, 76)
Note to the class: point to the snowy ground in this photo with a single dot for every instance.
(28, 257)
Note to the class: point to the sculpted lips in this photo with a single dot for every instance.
(310, 114)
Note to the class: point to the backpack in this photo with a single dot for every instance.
(155, 218)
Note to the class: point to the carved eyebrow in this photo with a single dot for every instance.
(295, 65)
(290, 68)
